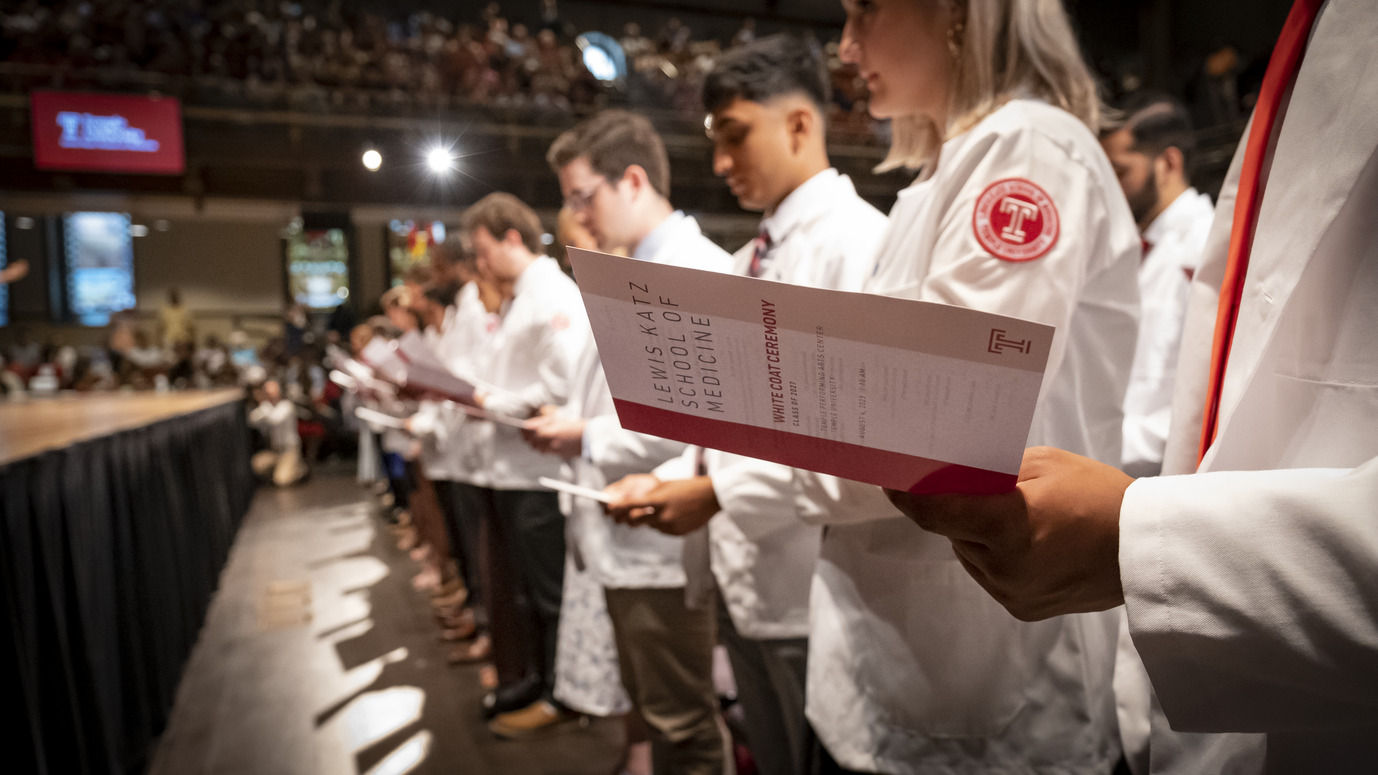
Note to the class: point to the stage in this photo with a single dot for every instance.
(117, 512)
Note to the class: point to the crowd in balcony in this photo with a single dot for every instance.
(320, 55)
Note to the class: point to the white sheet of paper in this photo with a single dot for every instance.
(344, 380)
(374, 417)
(574, 489)
(909, 395)
(426, 371)
(380, 355)
(483, 414)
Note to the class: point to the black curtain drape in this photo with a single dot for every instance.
(110, 551)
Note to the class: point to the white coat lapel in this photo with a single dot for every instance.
(1326, 138)
(1198, 332)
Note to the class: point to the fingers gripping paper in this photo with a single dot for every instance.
(904, 394)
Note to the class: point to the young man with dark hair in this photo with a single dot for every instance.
(522, 357)
(614, 174)
(1151, 153)
(766, 103)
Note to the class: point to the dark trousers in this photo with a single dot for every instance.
(463, 507)
(535, 533)
(505, 610)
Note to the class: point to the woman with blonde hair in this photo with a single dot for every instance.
(1014, 210)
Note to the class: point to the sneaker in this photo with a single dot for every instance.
(539, 716)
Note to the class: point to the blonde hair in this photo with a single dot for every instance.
(1008, 49)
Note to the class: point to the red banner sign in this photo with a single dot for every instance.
(107, 133)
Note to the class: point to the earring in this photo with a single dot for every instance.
(954, 39)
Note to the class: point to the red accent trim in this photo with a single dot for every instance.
(1282, 70)
(850, 461)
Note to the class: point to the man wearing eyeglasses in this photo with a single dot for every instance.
(615, 176)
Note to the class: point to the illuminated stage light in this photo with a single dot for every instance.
(440, 160)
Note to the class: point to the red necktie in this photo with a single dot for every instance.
(1282, 70)
(759, 253)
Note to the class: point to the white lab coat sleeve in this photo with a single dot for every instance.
(426, 422)
(1198, 328)
(1046, 289)
(1251, 596)
(759, 496)
(679, 467)
(821, 499)
(618, 452)
(269, 415)
(558, 346)
(259, 416)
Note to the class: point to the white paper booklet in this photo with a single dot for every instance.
(426, 371)
(576, 490)
(909, 395)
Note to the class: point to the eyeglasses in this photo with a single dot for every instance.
(580, 200)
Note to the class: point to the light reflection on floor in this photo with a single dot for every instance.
(343, 613)
(407, 757)
(313, 668)
(373, 716)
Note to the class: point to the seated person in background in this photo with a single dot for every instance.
(276, 417)
(144, 355)
(182, 374)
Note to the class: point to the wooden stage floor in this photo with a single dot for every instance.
(35, 425)
(317, 656)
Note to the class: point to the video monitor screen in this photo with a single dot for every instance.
(100, 265)
(107, 133)
(318, 267)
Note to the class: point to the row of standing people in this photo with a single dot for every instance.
(828, 598)
(835, 625)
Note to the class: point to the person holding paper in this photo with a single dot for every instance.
(912, 667)
(526, 362)
(766, 103)
(1248, 572)
(615, 176)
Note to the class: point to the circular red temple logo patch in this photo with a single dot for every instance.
(1015, 220)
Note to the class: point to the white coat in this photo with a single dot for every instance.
(619, 556)
(1176, 238)
(912, 666)
(1251, 587)
(528, 362)
(760, 554)
(279, 422)
(454, 448)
